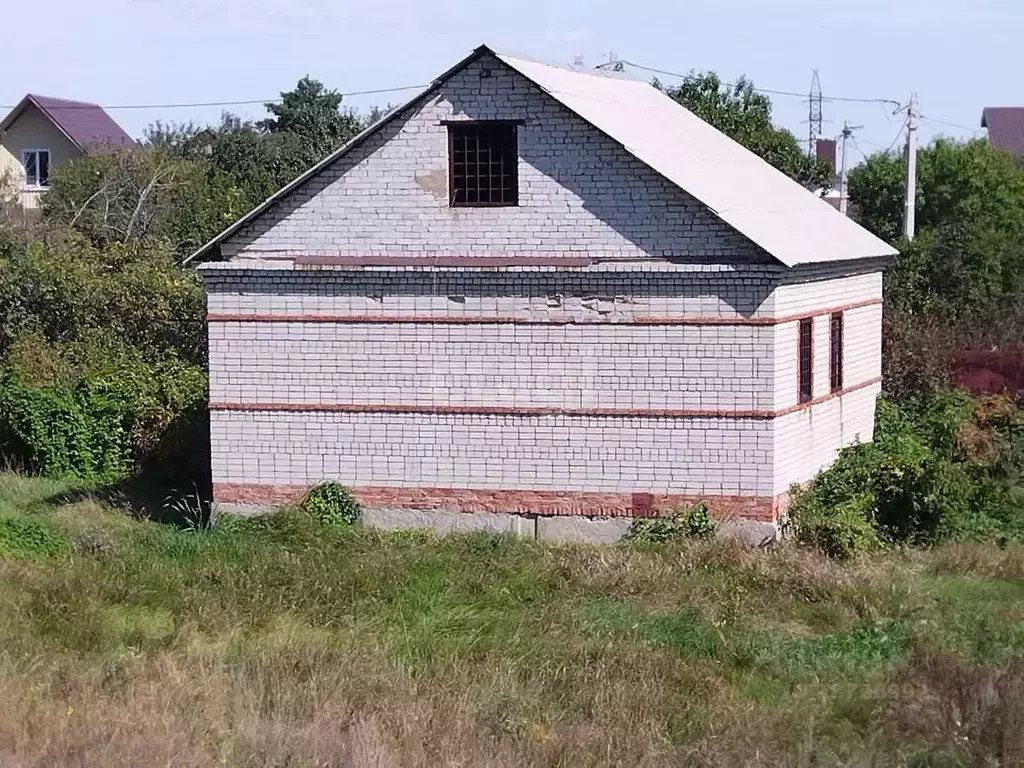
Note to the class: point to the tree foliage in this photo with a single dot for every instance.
(101, 331)
(968, 254)
(101, 353)
(960, 283)
(313, 113)
(745, 115)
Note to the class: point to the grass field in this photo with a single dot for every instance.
(125, 642)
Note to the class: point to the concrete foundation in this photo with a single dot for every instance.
(442, 522)
(562, 529)
(595, 530)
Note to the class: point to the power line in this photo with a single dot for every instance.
(949, 124)
(245, 102)
(857, 147)
(899, 135)
(766, 90)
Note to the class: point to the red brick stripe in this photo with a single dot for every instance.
(512, 410)
(525, 502)
(216, 317)
(826, 398)
(443, 261)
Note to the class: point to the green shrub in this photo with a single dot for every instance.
(331, 504)
(82, 432)
(27, 539)
(939, 470)
(844, 530)
(96, 410)
(690, 523)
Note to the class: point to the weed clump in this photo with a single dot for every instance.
(689, 523)
(331, 505)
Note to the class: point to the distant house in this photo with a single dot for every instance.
(540, 299)
(1005, 128)
(41, 132)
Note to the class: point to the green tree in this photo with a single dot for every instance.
(745, 115)
(313, 113)
(968, 254)
(244, 162)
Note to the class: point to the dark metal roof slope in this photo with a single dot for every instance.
(1005, 128)
(85, 124)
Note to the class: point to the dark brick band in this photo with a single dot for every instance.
(524, 502)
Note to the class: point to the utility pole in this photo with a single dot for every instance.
(843, 196)
(910, 207)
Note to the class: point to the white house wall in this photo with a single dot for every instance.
(624, 388)
(807, 440)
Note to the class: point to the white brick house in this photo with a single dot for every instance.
(544, 292)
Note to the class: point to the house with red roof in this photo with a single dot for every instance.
(41, 132)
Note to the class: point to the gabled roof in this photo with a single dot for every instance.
(1005, 128)
(789, 222)
(86, 125)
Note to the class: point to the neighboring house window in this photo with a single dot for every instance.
(805, 360)
(483, 164)
(836, 352)
(37, 167)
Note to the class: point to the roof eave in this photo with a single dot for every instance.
(880, 258)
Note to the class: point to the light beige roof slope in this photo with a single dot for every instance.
(764, 204)
(790, 223)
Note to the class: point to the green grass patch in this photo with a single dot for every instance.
(269, 641)
(27, 539)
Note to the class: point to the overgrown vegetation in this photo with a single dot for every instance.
(289, 643)
(692, 522)
(941, 468)
(102, 336)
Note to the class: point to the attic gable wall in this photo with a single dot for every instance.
(579, 192)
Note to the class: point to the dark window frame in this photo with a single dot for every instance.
(805, 360)
(836, 335)
(504, 193)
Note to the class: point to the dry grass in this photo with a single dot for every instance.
(981, 561)
(979, 708)
(137, 645)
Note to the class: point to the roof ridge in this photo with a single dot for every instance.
(610, 74)
(76, 102)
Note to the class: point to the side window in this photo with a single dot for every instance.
(836, 352)
(37, 167)
(805, 360)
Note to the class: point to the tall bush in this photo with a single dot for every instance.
(97, 409)
(938, 470)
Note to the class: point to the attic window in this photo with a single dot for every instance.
(483, 160)
(37, 168)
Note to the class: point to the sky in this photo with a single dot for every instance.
(958, 55)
